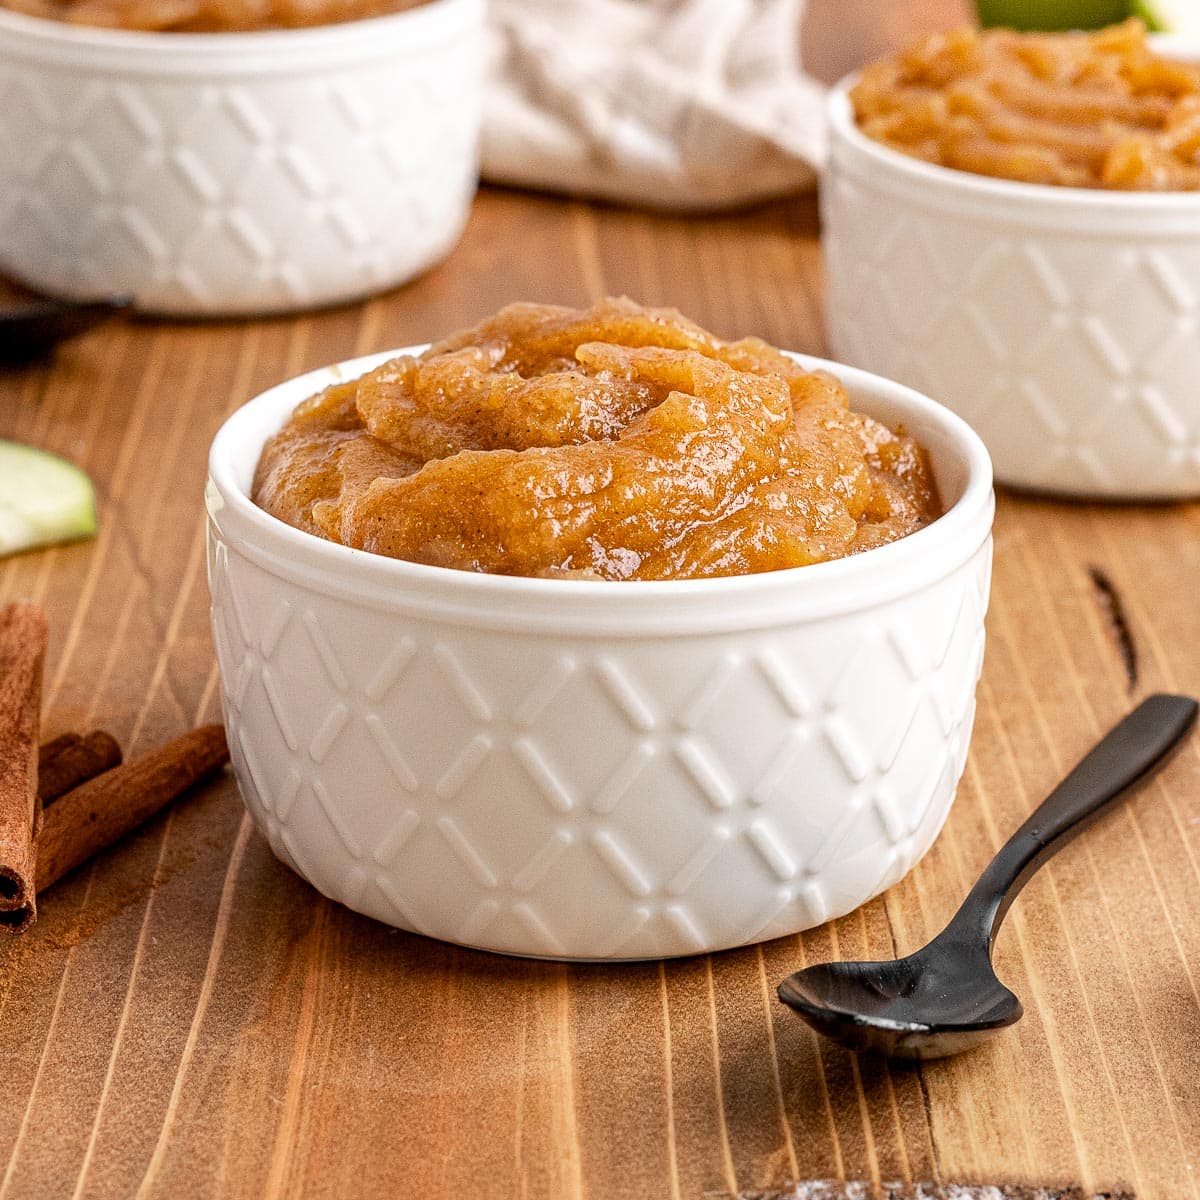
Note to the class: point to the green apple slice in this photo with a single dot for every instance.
(1170, 16)
(43, 499)
(1055, 14)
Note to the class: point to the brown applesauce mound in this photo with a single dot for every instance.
(614, 443)
(207, 16)
(1092, 110)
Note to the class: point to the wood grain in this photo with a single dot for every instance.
(190, 1019)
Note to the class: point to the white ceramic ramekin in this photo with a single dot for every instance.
(589, 770)
(1062, 323)
(237, 173)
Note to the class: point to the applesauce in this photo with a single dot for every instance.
(207, 16)
(614, 443)
(1089, 110)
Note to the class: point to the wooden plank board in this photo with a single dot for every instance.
(189, 1018)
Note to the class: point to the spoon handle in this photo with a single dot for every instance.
(1126, 753)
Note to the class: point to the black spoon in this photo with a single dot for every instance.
(946, 997)
(28, 329)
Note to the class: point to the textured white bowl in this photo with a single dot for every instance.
(235, 173)
(599, 770)
(1062, 323)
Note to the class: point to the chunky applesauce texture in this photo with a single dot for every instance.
(207, 16)
(1091, 110)
(614, 443)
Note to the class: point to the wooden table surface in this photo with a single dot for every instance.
(188, 1018)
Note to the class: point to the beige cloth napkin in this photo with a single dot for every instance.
(691, 104)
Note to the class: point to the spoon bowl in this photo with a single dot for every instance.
(946, 998)
(32, 328)
(886, 1007)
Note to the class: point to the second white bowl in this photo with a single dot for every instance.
(237, 173)
(1062, 323)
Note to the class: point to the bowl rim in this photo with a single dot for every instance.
(840, 115)
(820, 589)
(158, 44)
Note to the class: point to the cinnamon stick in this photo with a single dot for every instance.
(53, 748)
(99, 812)
(84, 759)
(22, 653)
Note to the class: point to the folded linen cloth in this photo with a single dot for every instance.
(689, 104)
